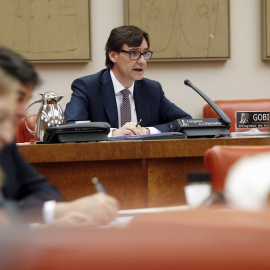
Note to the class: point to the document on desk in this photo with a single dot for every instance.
(150, 137)
(254, 132)
(125, 217)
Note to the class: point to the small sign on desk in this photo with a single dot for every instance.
(253, 119)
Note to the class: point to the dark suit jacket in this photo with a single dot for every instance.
(93, 99)
(23, 184)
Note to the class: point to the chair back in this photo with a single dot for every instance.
(23, 135)
(229, 107)
(218, 160)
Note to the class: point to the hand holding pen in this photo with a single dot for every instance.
(147, 130)
(131, 128)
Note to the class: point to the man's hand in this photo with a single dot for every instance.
(98, 209)
(130, 128)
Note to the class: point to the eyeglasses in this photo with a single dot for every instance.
(135, 55)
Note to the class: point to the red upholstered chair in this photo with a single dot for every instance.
(218, 160)
(23, 135)
(229, 107)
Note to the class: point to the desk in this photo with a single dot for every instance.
(139, 173)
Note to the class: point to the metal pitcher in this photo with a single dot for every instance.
(50, 113)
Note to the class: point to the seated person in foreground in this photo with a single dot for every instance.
(247, 185)
(32, 195)
(99, 97)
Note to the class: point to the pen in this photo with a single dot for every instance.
(139, 122)
(98, 185)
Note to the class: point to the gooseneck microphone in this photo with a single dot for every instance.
(205, 127)
(222, 115)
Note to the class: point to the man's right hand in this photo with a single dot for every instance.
(98, 209)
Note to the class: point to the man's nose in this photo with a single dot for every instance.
(141, 59)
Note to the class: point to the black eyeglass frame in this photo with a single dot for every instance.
(143, 53)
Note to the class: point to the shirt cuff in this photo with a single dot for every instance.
(48, 211)
(153, 130)
(110, 133)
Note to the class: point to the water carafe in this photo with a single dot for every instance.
(50, 113)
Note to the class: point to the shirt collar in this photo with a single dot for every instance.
(118, 86)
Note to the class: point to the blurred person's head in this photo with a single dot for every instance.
(19, 68)
(8, 96)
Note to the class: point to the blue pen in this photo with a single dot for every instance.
(98, 185)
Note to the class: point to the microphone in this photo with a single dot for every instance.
(207, 127)
(223, 116)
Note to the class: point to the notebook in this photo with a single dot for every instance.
(150, 137)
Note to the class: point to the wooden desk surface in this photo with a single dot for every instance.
(139, 173)
(66, 152)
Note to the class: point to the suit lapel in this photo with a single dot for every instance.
(141, 104)
(108, 98)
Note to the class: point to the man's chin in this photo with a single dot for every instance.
(138, 77)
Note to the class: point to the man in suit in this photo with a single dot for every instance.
(35, 197)
(99, 97)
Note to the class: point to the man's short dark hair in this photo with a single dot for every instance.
(18, 67)
(130, 35)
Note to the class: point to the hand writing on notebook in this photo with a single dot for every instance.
(130, 128)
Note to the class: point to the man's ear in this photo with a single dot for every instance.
(113, 56)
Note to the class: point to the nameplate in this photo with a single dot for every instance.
(205, 122)
(252, 119)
